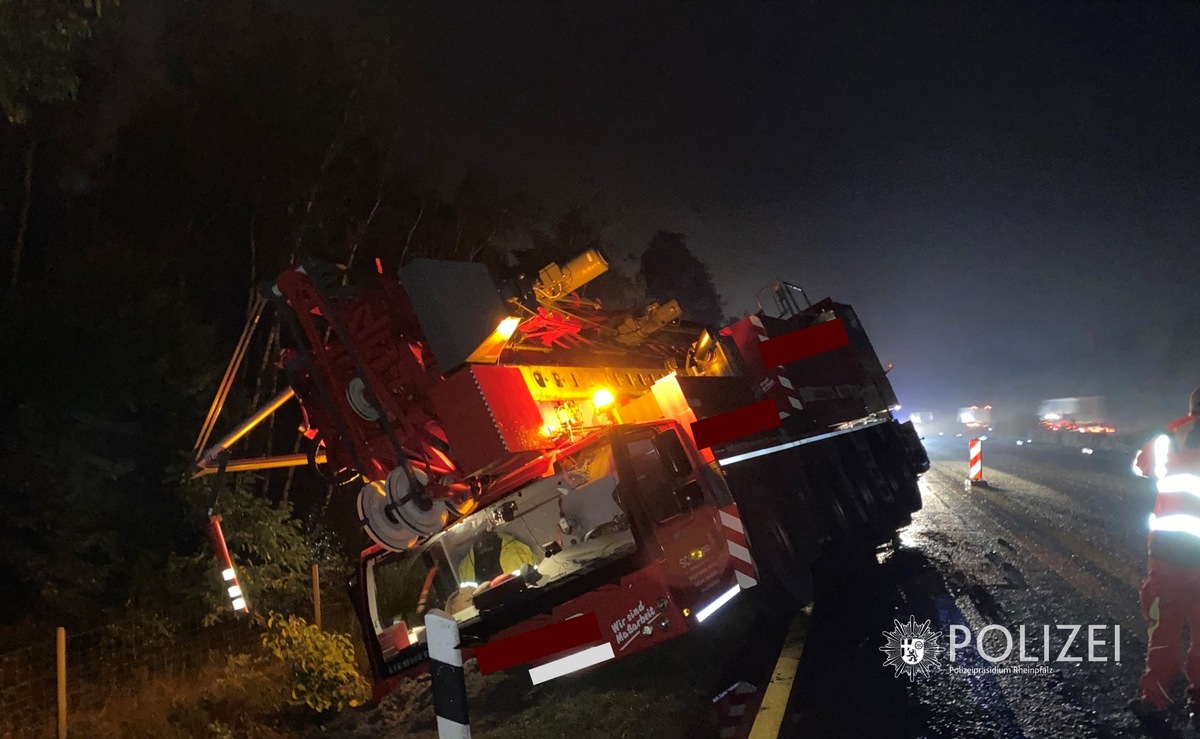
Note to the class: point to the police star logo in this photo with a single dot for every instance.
(913, 648)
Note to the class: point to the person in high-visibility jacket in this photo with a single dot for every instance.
(1170, 596)
(493, 554)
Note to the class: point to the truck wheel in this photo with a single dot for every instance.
(779, 565)
(779, 541)
(845, 567)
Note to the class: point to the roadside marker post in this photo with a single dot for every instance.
(60, 644)
(736, 709)
(316, 594)
(446, 668)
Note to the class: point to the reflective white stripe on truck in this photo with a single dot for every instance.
(712, 608)
(739, 551)
(571, 663)
(727, 461)
(732, 522)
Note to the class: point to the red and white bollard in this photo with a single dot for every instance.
(735, 710)
(975, 461)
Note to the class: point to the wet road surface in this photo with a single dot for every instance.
(1058, 538)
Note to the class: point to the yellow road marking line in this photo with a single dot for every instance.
(768, 722)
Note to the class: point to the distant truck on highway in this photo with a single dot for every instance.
(975, 418)
(1084, 415)
(929, 424)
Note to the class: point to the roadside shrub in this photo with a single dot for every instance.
(220, 730)
(272, 550)
(320, 665)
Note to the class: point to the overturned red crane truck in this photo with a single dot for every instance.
(526, 458)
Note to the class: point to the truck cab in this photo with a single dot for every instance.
(627, 522)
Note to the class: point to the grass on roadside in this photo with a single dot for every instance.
(239, 696)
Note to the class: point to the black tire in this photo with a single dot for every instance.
(777, 551)
(846, 569)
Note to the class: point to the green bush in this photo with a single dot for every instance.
(272, 550)
(320, 665)
(220, 730)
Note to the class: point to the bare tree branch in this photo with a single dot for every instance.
(408, 239)
(330, 154)
(23, 221)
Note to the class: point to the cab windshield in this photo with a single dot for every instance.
(547, 532)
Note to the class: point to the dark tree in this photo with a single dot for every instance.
(39, 55)
(671, 271)
(249, 137)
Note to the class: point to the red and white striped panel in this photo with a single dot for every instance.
(735, 537)
(735, 711)
(777, 385)
(237, 598)
(976, 459)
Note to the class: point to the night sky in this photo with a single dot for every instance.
(1008, 196)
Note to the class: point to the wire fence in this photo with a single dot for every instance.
(113, 660)
(110, 668)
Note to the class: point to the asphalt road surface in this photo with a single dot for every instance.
(1058, 538)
